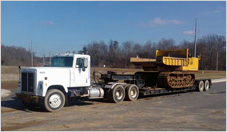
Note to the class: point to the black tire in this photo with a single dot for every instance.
(117, 94)
(201, 86)
(206, 85)
(131, 92)
(54, 100)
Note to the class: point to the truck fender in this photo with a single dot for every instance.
(111, 85)
(59, 87)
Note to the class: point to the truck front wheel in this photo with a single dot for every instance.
(54, 100)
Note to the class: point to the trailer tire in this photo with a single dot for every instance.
(206, 85)
(54, 100)
(117, 94)
(201, 86)
(131, 92)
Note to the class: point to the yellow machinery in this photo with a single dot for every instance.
(175, 67)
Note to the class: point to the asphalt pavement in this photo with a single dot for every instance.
(175, 112)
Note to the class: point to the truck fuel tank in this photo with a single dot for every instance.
(96, 92)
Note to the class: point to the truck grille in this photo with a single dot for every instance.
(28, 82)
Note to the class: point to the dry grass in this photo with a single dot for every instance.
(210, 74)
(9, 70)
(9, 74)
(9, 84)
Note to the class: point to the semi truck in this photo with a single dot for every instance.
(69, 77)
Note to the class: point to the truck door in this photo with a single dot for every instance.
(82, 72)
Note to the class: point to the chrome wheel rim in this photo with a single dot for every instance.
(201, 86)
(55, 101)
(119, 94)
(133, 93)
(207, 85)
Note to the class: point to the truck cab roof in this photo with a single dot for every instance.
(71, 55)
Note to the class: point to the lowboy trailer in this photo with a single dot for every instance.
(145, 86)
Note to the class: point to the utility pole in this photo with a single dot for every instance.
(43, 59)
(195, 37)
(217, 62)
(49, 57)
(31, 54)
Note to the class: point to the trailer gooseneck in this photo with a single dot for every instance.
(69, 77)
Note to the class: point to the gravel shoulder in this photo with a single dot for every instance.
(5, 93)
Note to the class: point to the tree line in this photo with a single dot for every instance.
(116, 55)
(17, 56)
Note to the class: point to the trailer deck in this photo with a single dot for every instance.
(152, 89)
(156, 91)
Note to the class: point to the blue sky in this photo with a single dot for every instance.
(66, 26)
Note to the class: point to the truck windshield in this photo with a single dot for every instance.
(62, 62)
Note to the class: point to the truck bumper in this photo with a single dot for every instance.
(31, 99)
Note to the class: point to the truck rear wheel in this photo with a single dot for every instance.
(54, 100)
(201, 86)
(132, 92)
(206, 85)
(117, 94)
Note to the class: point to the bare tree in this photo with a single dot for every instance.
(165, 44)
(208, 46)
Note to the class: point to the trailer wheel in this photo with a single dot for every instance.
(54, 100)
(117, 94)
(201, 86)
(207, 85)
(132, 92)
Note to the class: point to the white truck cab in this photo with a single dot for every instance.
(67, 76)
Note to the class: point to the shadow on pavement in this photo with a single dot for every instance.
(167, 94)
(86, 101)
(16, 104)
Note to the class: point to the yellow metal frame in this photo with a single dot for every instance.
(193, 65)
(181, 53)
(179, 58)
(175, 60)
(172, 61)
